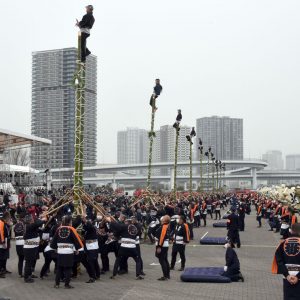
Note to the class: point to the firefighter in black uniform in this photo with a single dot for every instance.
(31, 245)
(233, 228)
(107, 244)
(181, 238)
(49, 253)
(287, 262)
(66, 241)
(162, 237)
(178, 119)
(128, 233)
(5, 223)
(19, 232)
(92, 249)
(232, 267)
(85, 26)
(137, 241)
(156, 92)
(242, 213)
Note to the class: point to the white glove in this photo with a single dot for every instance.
(225, 268)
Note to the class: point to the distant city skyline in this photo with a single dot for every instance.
(213, 58)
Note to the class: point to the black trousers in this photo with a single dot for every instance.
(204, 219)
(138, 249)
(232, 273)
(209, 212)
(93, 267)
(152, 100)
(2, 265)
(20, 264)
(29, 267)
(234, 237)
(290, 292)
(242, 223)
(197, 221)
(258, 218)
(63, 272)
(81, 258)
(125, 253)
(48, 259)
(218, 214)
(191, 226)
(84, 50)
(150, 234)
(105, 250)
(163, 260)
(178, 248)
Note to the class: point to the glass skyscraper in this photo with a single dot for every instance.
(53, 108)
(224, 135)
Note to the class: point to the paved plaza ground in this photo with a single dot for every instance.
(256, 254)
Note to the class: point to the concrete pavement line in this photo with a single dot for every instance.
(204, 235)
(253, 246)
(154, 264)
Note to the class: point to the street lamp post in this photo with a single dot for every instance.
(218, 168)
(190, 140)
(201, 159)
(222, 171)
(213, 171)
(176, 125)
(208, 155)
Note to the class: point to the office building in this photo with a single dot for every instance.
(132, 146)
(274, 160)
(53, 108)
(223, 134)
(293, 162)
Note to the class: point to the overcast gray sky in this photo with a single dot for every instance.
(235, 58)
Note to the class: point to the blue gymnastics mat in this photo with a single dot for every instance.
(213, 240)
(205, 274)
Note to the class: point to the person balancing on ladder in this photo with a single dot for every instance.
(156, 92)
(85, 26)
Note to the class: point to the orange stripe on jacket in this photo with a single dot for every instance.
(76, 234)
(186, 226)
(163, 234)
(2, 232)
(258, 210)
(193, 210)
(274, 263)
(294, 219)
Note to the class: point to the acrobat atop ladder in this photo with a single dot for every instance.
(79, 83)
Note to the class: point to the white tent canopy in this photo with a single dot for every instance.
(20, 169)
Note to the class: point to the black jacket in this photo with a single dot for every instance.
(232, 260)
(287, 254)
(157, 89)
(87, 21)
(233, 222)
(179, 117)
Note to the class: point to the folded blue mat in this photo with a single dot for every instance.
(220, 224)
(213, 240)
(207, 274)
